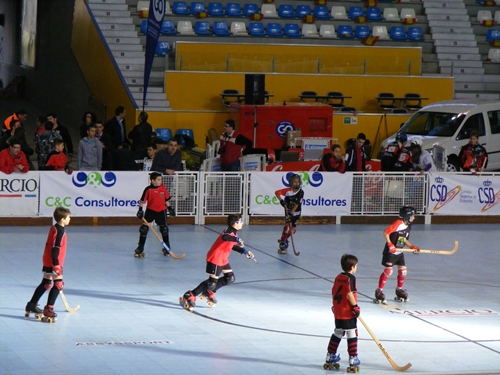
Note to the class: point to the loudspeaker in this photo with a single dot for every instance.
(255, 89)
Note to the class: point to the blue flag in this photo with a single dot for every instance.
(155, 19)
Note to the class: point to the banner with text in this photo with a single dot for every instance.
(462, 194)
(325, 194)
(92, 194)
(19, 194)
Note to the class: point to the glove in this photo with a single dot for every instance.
(282, 202)
(140, 213)
(68, 169)
(250, 255)
(392, 248)
(171, 211)
(415, 249)
(57, 270)
(355, 311)
(221, 150)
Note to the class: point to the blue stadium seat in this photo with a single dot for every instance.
(144, 27)
(163, 134)
(292, 30)
(221, 29)
(215, 9)
(180, 8)
(345, 31)
(362, 31)
(197, 7)
(355, 12)
(256, 29)
(274, 29)
(202, 28)
(286, 11)
(162, 48)
(492, 35)
(302, 10)
(250, 8)
(180, 133)
(415, 33)
(168, 28)
(373, 14)
(397, 33)
(233, 10)
(321, 12)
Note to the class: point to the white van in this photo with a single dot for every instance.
(449, 123)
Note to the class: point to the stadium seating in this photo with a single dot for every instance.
(362, 31)
(180, 8)
(355, 12)
(386, 100)
(327, 31)
(144, 27)
(309, 30)
(413, 102)
(238, 29)
(391, 14)
(492, 35)
(163, 134)
(215, 9)
(303, 10)
(286, 11)
(345, 31)
(339, 13)
(168, 10)
(269, 11)
(196, 7)
(415, 33)
(397, 33)
(143, 8)
(292, 30)
(274, 29)
(494, 54)
(162, 48)
(168, 28)
(381, 32)
(250, 8)
(407, 13)
(185, 28)
(220, 28)
(338, 99)
(321, 12)
(256, 29)
(484, 15)
(497, 17)
(202, 28)
(373, 14)
(233, 10)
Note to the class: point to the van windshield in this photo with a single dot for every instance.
(439, 124)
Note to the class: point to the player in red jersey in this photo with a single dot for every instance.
(157, 199)
(345, 309)
(217, 263)
(56, 159)
(396, 237)
(53, 262)
(290, 198)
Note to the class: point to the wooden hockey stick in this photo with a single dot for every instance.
(391, 361)
(170, 252)
(66, 304)
(290, 228)
(436, 252)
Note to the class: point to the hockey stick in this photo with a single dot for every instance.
(436, 252)
(170, 252)
(391, 361)
(66, 304)
(290, 228)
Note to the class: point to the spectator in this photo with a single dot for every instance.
(20, 115)
(473, 156)
(56, 160)
(422, 159)
(12, 159)
(107, 146)
(20, 134)
(40, 126)
(90, 151)
(45, 143)
(14, 124)
(116, 128)
(392, 151)
(151, 150)
(64, 132)
(231, 146)
(333, 161)
(355, 156)
(88, 118)
(168, 160)
(141, 136)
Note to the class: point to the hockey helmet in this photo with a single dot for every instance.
(406, 212)
(416, 141)
(291, 178)
(401, 136)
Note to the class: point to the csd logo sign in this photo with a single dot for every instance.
(283, 127)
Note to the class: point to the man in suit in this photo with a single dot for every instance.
(115, 127)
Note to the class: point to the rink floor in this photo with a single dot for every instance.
(275, 319)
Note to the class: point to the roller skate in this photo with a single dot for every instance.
(332, 361)
(49, 316)
(165, 252)
(380, 297)
(139, 252)
(283, 246)
(354, 363)
(401, 295)
(32, 308)
(188, 300)
(210, 296)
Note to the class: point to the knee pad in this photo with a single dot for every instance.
(339, 332)
(212, 283)
(351, 333)
(402, 271)
(47, 284)
(230, 278)
(143, 230)
(59, 284)
(388, 271)
(164, 230)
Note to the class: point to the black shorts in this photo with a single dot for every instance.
(160, 218)
(393, 260)
(215, 270)
(294, 220)
(47, 269)
(346, 323)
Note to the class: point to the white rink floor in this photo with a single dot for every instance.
(275, 319)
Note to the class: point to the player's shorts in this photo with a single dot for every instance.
(346, 323)
(393, 259)
(294, 220)
(215, 270)
(159, 217)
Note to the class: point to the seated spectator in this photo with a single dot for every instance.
(56, 160)
(151, 151)
(45, 143)
(169, 159)
(473, 156)
(88, 118)
(52, 117)
(12, 159)
(20, 134)
(90, 151)
(333, 161)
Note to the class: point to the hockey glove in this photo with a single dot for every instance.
(355, 311)
(140, 213)
(171, 211)
(415, 249)
(250, 255)
(57, 270)
(392, 248)
(288, 219)
(68, 169)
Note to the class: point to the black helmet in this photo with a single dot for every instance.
(292, 177)
(406, 212)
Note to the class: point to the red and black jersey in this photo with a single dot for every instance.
(155, 197)
(56, 161)
(330, 164)
(55, 247)
(398, 231)
(220, 250)
(291, 198)
(344, 283)
(472, 157)
(404, 163)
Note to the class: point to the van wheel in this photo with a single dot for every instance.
(452, 165)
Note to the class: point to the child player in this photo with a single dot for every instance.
(345, 309)
(53, 262)
(157, 198)
(217, 263)
(291, 199)
(396, 237)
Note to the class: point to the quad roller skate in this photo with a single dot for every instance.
(380, 297)
(188, 300)
(210, 296)
(49, 316)
(165, 252)
(332, 361)
(401, 295)
(354, 363)
(283, 246)
(139, 252)
(32, 308)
